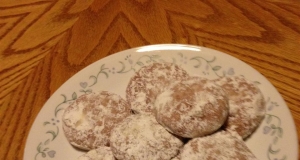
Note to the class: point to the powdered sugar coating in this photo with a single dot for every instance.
(88, 121)
(218, 146)
(246, 105)
(148, 82)
(141, 137)
(176, 158)
(191, 108)
(101, 153)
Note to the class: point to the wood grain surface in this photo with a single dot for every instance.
(44, 42)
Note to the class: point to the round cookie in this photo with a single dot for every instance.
(101, 153)
(88, 121)
(218, 146)
(148, 82)
(192, 108)
(246, 105)
(141, 137)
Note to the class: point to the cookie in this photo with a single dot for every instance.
(218, 146)
(192, 108)
(246, 105)
(148, 82)
(141, 137)
(88, 121)
(101, 153)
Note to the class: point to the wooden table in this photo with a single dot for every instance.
(44, 43)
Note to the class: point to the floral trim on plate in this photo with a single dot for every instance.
(206, 66)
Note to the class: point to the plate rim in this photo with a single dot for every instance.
(134, 50)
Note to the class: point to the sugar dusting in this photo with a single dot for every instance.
(247, 104)
(218, 146)
(192, 107)
(148, 82)
(87, 122)
(101, 153)
(141, 137)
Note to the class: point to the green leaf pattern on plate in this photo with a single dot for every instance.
(272, 122)
(272, 127)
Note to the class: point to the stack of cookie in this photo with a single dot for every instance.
(168, 115)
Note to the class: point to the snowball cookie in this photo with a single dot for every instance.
(218, 146)
(192, 108)
(88, 121)
(141, 137)
(148, 82)
(101, 153)
(246, 105)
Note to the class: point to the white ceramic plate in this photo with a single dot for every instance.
(275, 139)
